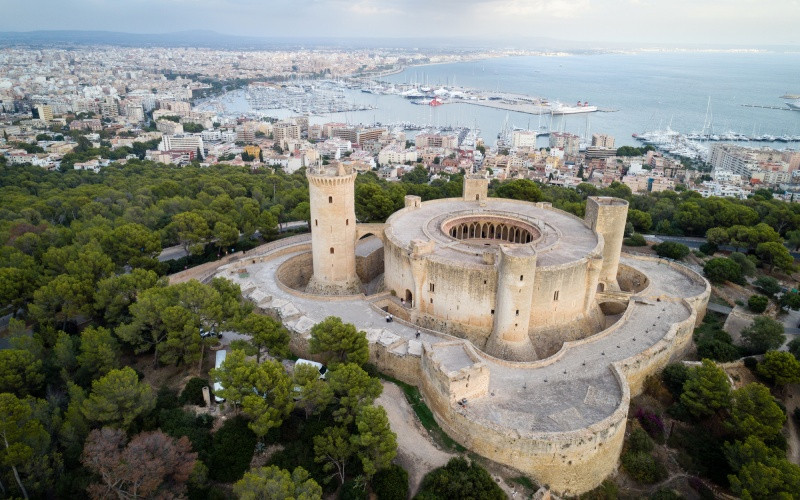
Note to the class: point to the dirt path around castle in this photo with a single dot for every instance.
(416, 452)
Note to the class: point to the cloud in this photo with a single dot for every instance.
(715, 21)
(540, 8)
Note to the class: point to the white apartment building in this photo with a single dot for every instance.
(731, 158)
(181, 142)
(395, 153)
(523, 139)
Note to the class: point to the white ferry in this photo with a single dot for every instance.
(558, 108)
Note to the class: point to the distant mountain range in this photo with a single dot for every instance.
(212, 39)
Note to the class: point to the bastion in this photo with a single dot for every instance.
(525, 327)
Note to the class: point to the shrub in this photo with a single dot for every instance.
(747, 265)
(709, 248)
(674, 376)
(665, 494)
(166, 399)
(651, 423)
(638, 441)
(391, 483)
(643, 467)
(715, 343)
(231, 450)
(794, 347)
(197, 428)
(762, 335)
(607, 490)
(193, 392)
(671, 250)
(720, 269)
(352, 490)
(635, 240)
(767, 285)
(757, 303)
(460, 479)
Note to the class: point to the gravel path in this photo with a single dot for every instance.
(416, 452)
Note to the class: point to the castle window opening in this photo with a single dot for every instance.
(517, 312)
(521, 276)
(432, 287)
(347, 222)
(331, 249)
(555, 295)
(330, 199)
(316, 223)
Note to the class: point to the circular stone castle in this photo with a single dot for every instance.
(535, 331)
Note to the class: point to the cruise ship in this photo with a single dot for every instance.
(558, 108)
(793, 101)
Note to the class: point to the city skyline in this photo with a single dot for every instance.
(728, 22)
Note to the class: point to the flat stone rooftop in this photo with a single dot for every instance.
(565, 238)
(452, 357)
(573, 391)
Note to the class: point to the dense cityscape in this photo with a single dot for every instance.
(219, 280)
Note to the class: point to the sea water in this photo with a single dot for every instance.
(685, 91)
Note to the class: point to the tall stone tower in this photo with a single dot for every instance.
(476, 188)
(607, 216)
(516, 268)
(333, 231)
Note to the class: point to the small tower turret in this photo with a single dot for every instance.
(607, 216)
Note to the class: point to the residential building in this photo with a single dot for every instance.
(603, 141)
(570, 143)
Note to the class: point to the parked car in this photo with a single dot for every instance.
(323, 370)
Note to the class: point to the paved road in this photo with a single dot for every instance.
(719, 308)
(177, 252)
(172, 253)
(694, 242)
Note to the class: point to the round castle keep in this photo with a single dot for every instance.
(535, 330)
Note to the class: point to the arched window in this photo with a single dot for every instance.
(331, 249)
(330, 199)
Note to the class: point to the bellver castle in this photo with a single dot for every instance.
(536, 330)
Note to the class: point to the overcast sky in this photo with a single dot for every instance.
(734, 22)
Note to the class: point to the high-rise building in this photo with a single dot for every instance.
(346, 133)
(283, 131)
(182, 142)
(570, 143)
(603, 141)
(109, 108)
(43, 112)
(370, 134)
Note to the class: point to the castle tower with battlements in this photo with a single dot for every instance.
(333, 231)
